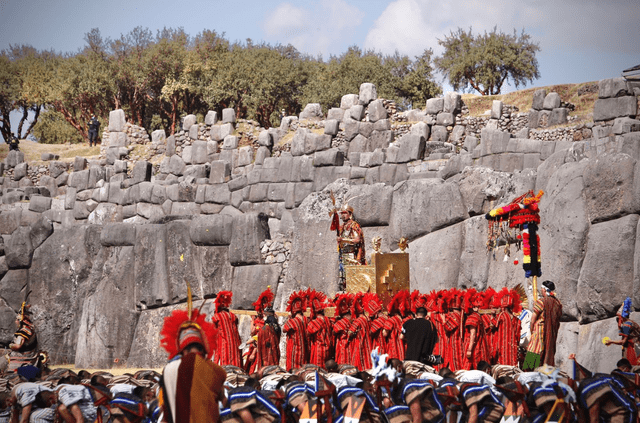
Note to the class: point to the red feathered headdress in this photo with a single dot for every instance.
(372, 303)
(431, 301)
(264, 300)
(516, 301)
(317, 301)
(400, 303)
(356, 307)
(185, 327)
(502, 299)
(487, 298)
(343, 302)
(297, 302)
(468, 299)
(456, 298)
(442, 305)
(223, 300)
(416, 300)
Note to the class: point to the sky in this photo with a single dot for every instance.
(580, 40)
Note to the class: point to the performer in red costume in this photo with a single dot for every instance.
(474, 346)
(508, 326)
(228, 352)
(398, 308)
(359, 335)
(437, 319)
(373, 306)
(296, 330)
(341, 327)
(489, 321)
(268, 351)
(257, 323)
(319, 328)
(453, 329)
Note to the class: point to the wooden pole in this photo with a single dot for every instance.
(535, 288)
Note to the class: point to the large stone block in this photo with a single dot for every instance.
(265, 139)
(249, 230)
(611, 108)
(496, 109)
(10, 220)
(118, 235)
(435, 105)
(422, 206)
(113, 320)
(20, 171)
(377, 111)
(355, 113)
(613, 87)
(368, 93)
(159, 136)
(230, 142)
(249, 281)
(171, 146)
(371, 203)
(188, 122)
(104, 213)
(218, 193)
(348, 101)
(380, 139)
(609, 187)
(19, 249)
(228, 115)
(211, 230)
(493, 141)
(445, 119)
(421, 129)
(601, 289)
(551, 101)
(331, 127)
(118, 139)
(311, 111)
(298, 142)
(332, 157)
(211, 118)
(220, 172)
(116, 121)
(538, 99)
(411, 148)
(558, 116)
(452, 103)
(335, 113)
(564, 231)
(439, 133)
(433, 261)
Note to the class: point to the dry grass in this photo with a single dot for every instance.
(67, 152)
(523, 99)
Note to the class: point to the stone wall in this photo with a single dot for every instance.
(104, 246)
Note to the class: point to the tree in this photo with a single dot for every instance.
(485, 62)
(414, 82)
(24, 77)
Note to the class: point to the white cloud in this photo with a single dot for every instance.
(319, 29)
(410, 26)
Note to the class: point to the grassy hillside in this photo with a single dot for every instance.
(570, 93)
(67, 152)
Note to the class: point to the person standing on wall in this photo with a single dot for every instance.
(94, 126)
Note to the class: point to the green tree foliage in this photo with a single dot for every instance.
(158, 78)
(25, 75)
(486, 61)
(53, 128)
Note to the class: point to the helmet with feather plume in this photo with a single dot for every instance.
(223, 300)
(356, 307)
(487, 297)
(400, 303)
(432, 300)
(186, 327)
(468, 299)
(372, 303)
(442, 301)
(416, 300)
(343, 302)
(503, 299)
(317, 301)
(626, 309)
(456, 298)
(297, 302)
(264, 300)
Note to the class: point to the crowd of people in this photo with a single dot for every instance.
(446, 356)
